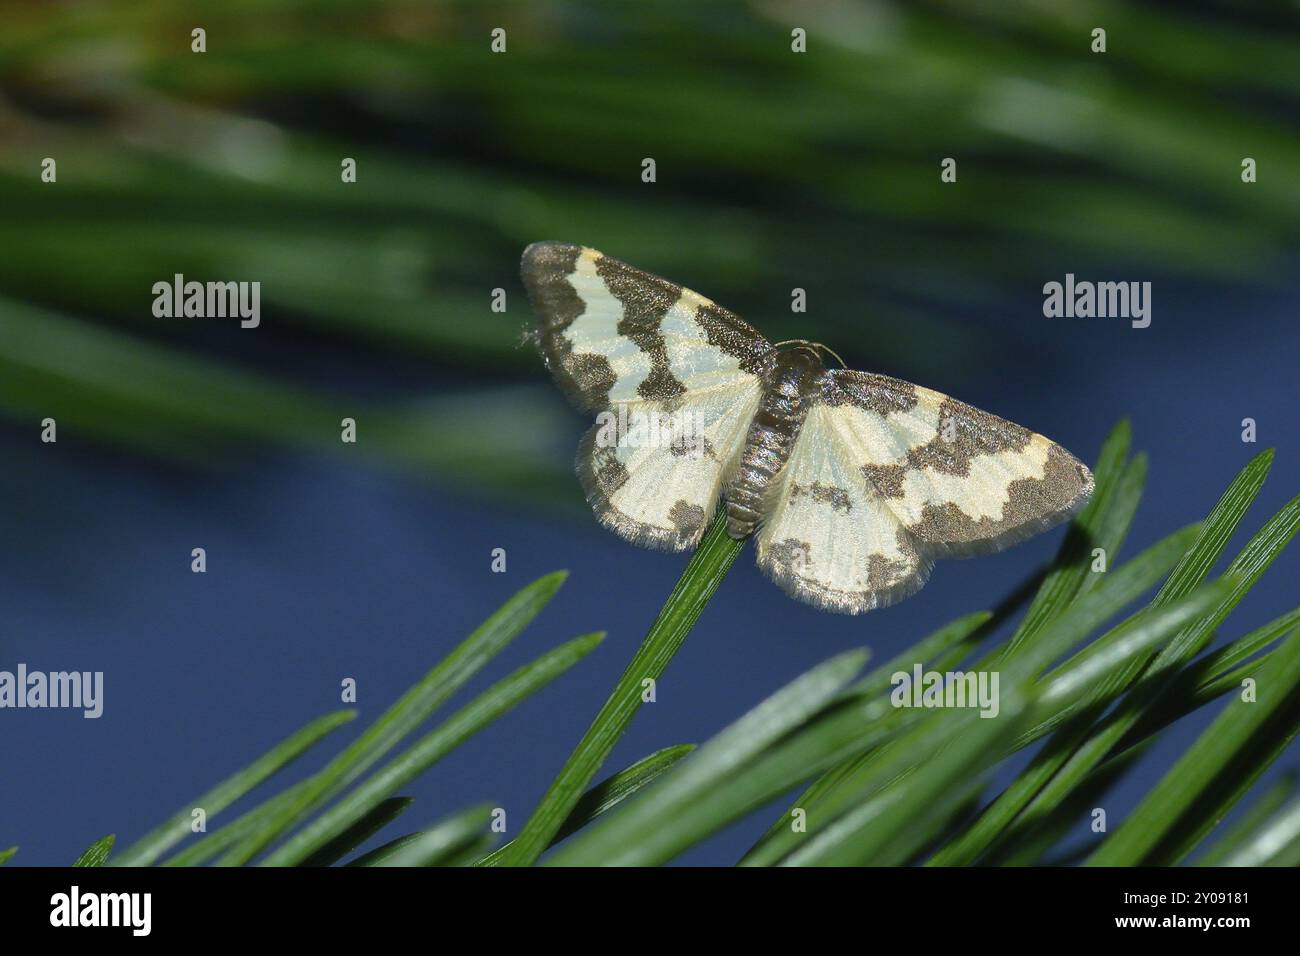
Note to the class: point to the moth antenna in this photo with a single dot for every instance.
(836, 355)
(814, 346)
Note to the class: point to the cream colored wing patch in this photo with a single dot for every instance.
(829, 539)
(959, 480)
(611, 333)
(654, 475)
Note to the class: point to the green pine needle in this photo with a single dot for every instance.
(97, 853)
(703, 574)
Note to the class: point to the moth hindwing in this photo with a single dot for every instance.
(855, 482)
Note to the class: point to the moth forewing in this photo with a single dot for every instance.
(623, 342)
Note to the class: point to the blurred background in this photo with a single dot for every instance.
(775, 170)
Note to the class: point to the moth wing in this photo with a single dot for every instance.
(829, 539)
(611, 333)
(959, 480)
(640, 349)
(663, 492)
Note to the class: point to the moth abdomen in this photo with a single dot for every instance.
(771, 438)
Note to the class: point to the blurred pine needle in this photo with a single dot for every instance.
(786, 170)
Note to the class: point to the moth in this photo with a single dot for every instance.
(851, 483)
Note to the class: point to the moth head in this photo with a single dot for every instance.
(800, 359)
(799, 365)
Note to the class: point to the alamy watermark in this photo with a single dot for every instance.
(208, 300)
(933, 689)
(75, 690)
(133, 911)
(1103, 300)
